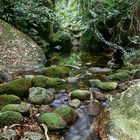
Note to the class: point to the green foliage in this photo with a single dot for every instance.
(67, 12)
(73, 59)
(33, 14)
(108, 23)
(33, 17)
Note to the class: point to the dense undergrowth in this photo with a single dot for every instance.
(109, 24)
(106, 21)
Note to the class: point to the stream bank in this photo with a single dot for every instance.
(86, 87)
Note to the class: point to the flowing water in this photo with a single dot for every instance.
(82, 129)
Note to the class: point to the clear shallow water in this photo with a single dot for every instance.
(82, 129)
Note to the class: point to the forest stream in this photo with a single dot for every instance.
(89, 101)
(69, 70)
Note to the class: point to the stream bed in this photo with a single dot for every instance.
(83, 129)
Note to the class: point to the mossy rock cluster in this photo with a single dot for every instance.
(55, 71)
(45, 82)
(67, 113)
(53, 121)
(19, 87)
(8, 99)
(9, 118)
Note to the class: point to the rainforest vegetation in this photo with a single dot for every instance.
(108, 24)
(69, 69)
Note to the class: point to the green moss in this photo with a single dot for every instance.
(67, 113)
(19, 87)
(45, 82)
(80, 94)
(120, 76)
(8, 99)
(85, 56)
(108, 85)
(63, 39)
(124, 71)
(53, 121)
(64, 110)
(22, 108)
(55, 71)
(58, 36)
(10, 117)
(75, 95)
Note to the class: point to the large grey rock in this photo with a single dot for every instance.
(124, 115)
(18, 51)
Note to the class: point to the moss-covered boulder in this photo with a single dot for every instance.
(18, 51)
(108, 85)
(94, 82)
(80, 94)
(8, 99)
(23, 108)
(120, 76)
(19, 87)
(62, 39)
(124, 115)
(45, 82)
(10, 117)
(38, 95)
(53, 121)
(67, 113)
(124, 70)
(55, 71)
